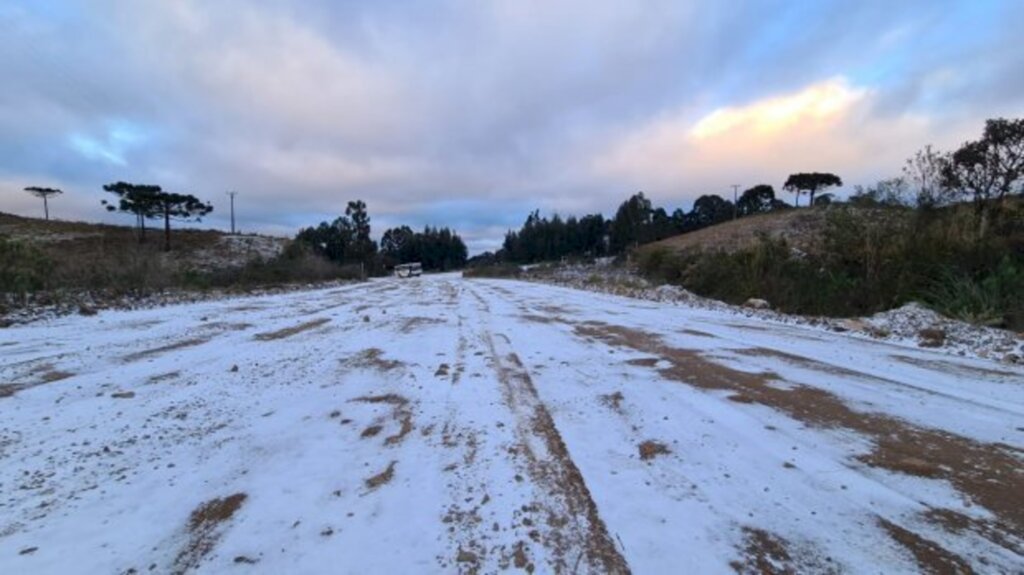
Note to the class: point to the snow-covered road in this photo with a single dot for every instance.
(450, 425)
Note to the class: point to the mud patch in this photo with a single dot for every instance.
(930, 556)
(171, 375)
(371, 431)
(959, 523)
(964, 370)
(400, 413)
(767, 553)
(808, 363)
(413, 323)
(381, 478)
(290, 331)
(191, 342)
(539, 318)
(40, 376)
(651, 449)
(204, 530)
(373, 358)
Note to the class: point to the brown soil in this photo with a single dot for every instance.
(371, 431)
(966, 370)
(381, 478)
(399, 413)
(392, 398)
(538, 318)
(165, 348)
(405, 427)
(989, 529)
(644, 361)
(123, 395)
(651, 449)
(372, 358)
(930, 557)
(163, 377)
(42, 375)
(290, 331)
(806, 362)
(204, 532)
(766, 553)
(988, 474)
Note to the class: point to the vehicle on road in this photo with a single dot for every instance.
(410, 270)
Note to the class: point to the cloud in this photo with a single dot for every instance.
(471, 114)
(831, 125)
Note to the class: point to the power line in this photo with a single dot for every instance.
(735, 204)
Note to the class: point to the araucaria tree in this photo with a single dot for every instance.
(810, 183)
(46, 194)
(150, 202)
(136, 199)
(182, 207)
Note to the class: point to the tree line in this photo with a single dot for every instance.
(637, 221)
(347, 241)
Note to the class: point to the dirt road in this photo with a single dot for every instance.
(450, 425)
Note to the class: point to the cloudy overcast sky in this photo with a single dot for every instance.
(472, 113)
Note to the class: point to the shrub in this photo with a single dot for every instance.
(23, 268)
(504, 270)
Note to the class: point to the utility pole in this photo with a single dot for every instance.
(735, 204)
(232, 194)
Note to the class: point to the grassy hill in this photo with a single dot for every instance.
(190, 248)
(48, 256)
(801, 229)
(846, 260)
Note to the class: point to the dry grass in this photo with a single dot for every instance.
(802, 229)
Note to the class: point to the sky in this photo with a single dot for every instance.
(471, 114)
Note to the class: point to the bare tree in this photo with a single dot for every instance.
(46, 194)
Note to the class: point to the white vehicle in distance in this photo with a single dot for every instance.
(414, 269)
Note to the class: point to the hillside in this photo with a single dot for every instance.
(801, 228)
(76, 243)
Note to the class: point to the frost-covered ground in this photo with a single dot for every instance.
(450, 425)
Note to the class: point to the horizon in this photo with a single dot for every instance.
(472, 115)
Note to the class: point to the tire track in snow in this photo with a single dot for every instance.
(576, 534)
